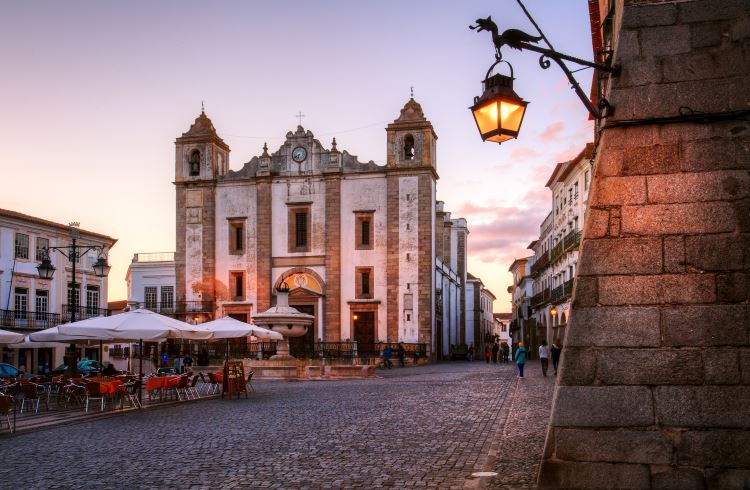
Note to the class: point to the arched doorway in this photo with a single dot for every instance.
(306, 292)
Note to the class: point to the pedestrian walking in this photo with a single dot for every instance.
(387, 353)
(544, 357)
(555, 352)
(470, 355)
(520, 357)
(505, 349)
(401, 353)
(487, 354)
(495, 350)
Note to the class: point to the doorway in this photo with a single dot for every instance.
(304, 347)
(364, 327)
(239, 316)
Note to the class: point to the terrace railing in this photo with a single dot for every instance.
(32, 320)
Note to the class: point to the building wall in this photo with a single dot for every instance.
(653, 385)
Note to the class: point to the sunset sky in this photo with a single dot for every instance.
(94, 94)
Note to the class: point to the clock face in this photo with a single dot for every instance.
(299, 154)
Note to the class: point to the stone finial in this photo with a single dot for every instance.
(265, 150)
(411, 111)
(333, 145)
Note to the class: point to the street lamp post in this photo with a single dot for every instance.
(73, 252)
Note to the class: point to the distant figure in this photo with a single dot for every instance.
(506, 352)
(109, 370)
(470, 353)
(520, 358)
(555, 352)
(544, 356)
(164, 359)
(188, 361)
(495, 350)
(387, 353)
(487, 354)
(401, 353)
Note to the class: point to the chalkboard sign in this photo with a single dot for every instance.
(234, 379)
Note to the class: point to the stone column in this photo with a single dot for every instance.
(332, 315)
(392, 257)
(654, 383)
(263, 240)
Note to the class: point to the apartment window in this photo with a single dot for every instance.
(299, 229)
(575, 223)
(167, 297)
(92, 299)
(364, 282)
(575, 190)
(42, 304)
(236, 236)
(364, 230)
(149, 297)
(42, 244)
(237, 285)
(22, 246)
(586, 180)
(74, 295)
(21, 303)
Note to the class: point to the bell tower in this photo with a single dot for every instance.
(201, 157)
(411, 139)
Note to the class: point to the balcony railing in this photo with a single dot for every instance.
(571, 240)
(82, 312)
(31, 320)
(540, 299)
(563, 291)
(540, 264)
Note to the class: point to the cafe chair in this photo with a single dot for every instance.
(94, 392)
(182, 388)
(249, 383)
(191, 390)
(7, 407)
(131, 393)
(32, 395)
(214, 385)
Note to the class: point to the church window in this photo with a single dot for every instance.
(299, 229)
(364, 231)
(195, 163)
(237, 285)
(409, 151)
(236, 236)
(364, 282)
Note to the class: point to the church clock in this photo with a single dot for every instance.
(299, 154)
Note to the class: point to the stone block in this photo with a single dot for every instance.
(676, 219)
(615, 446)
(602, 406)
(707, 155)
(597, 223)
(649, 366)
(714, 325)
(692, 187)
(702, 406)
(674, 254)
(745, 365)
(621, 256)
(585, 292)
(609, 163)
(733, 287)
(614, 327)
(705, 34)
(721, 366)
(638, 72)
(628, 137)
(654, 159)
(664, 40)
(649, 15)
(727, 479)
(628, 46)
(701, 65)
(717, 252)
(600, 476)
(657, 289)
(706, 10)
(742, 210)
(676, 478)
(619, 190)
(718, 448)
(577, 366)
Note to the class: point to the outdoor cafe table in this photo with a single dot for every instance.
(162, 383)
(109, 386)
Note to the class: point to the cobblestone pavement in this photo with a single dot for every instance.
(427, 426)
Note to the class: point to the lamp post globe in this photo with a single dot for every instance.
(499, 112)
(101, 267)
(553, 311)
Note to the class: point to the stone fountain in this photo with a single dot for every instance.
(285, 320)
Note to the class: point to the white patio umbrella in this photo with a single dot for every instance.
(7, 337)
(52, 334)
(30, 344)
(228, 328)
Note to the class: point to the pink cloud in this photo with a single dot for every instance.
(523, 153)
(553, 131)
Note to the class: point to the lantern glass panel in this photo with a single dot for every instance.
(511, 115)
(486, 117)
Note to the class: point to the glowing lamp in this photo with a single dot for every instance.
(354, 317)
(553, 311)
(499, 111)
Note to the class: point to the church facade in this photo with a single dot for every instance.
(354, 241)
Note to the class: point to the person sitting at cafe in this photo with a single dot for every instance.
(110, 370)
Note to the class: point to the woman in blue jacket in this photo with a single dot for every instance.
(520, 357)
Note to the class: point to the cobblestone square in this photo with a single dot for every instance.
(429, 426)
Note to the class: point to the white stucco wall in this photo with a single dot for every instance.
(408, 255)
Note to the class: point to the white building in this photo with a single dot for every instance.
(151, 282)
(479, 322)
(521, 292)
(556, 250)
(29, 303)
(501, 328)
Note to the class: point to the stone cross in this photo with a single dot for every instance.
(300, 116)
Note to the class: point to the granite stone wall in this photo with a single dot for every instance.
(654, 384)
